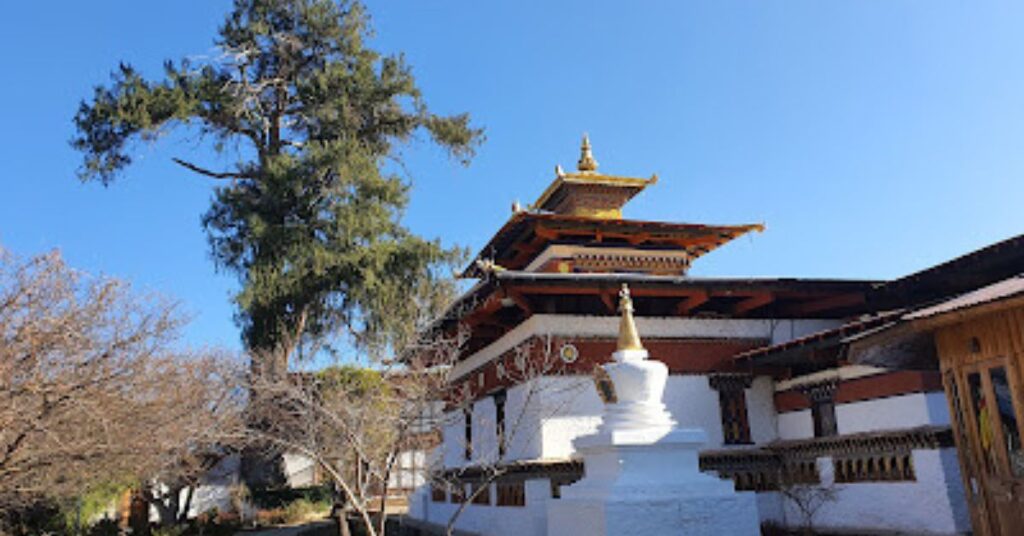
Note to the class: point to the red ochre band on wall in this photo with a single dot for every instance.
(872, 387)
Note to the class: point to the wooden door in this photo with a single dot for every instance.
(985, 405)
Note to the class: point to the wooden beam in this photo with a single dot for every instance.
(545, 233)
(609, 301)
(692, 302)
(638, 238)
(661, 292)
(488, 330)
(823, 304)
(526, 252)
(753, 302)
(520, 301)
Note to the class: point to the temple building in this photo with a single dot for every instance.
(808, 397)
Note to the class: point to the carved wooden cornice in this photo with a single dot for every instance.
(730, 382)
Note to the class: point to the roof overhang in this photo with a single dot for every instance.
(504, 299)
(527, 234)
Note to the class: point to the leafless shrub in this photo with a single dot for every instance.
(90, 389)
(808, 499)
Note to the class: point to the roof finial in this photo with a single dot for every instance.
(587, 162)
(628, 337)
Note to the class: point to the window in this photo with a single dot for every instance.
(438, 493)
(481, 493)
(823, 409)
(510, 494)
(467, 415)
(735, 428)
(1007, 420)
(732, 400)
(823, 412)
(983, 419)
(499, 419)
(458, 494)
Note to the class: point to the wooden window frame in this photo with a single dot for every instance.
(732, 393)
(467, 451)
(500, 398)
(822, 397)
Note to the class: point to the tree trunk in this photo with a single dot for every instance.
(343, 528)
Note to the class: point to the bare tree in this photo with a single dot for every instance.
(356, 422)
(90, 389)
(525, 367)
(808, 499)
(353, 422)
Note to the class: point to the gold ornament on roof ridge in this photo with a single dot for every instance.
(629, 339)
(587, 162)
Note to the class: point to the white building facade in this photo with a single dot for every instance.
(751, 363)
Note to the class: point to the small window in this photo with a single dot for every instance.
(735, 427)
(468, 447)
(1008, 420)
(458, 494)
(510, 494)
(732, 401)
(438, 492)
(499, 418)
(823, 409)
(481, 493)
(982, 418)
(823, 412)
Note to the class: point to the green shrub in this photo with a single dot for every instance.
(303, 509)
(281, 497)
(171, 530)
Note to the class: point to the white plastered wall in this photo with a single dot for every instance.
(764, 424)
(889, 413)
(933, 504)
(489, 520)
(544, 415)
(796, 425)
(893, 413)
(543, 325)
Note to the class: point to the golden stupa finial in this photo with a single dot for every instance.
(629, 339)
(587, 162)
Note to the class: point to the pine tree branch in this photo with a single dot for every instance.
(214, 174)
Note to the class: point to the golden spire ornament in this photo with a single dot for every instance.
(587, 162)
(629, 339)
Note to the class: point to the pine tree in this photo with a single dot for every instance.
(310, 222)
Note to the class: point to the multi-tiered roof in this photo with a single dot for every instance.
(571, 251)
(576, 226)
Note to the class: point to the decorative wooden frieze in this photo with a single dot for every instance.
(730, 382)
(867, 457)
(871, 443)
(602, 262)
(891, 467)
(820, 392)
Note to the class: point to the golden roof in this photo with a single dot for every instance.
(589, 193)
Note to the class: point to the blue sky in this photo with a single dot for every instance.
(872, 138)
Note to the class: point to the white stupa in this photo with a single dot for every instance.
(641, 474)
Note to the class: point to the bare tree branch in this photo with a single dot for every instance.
(213, 174)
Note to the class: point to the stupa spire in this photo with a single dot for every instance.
(587, 162)
(629, 339)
